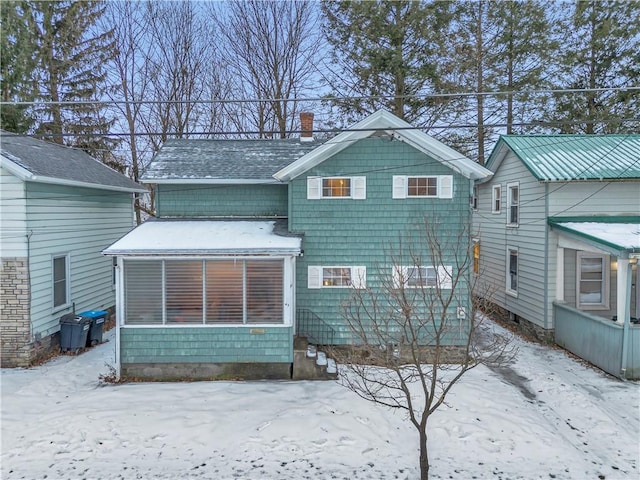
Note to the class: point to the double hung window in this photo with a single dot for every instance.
(592, 288)
(60, 284)
(513, 204)
(337, 277)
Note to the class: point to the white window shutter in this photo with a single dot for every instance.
(445, 277)
(445, 186)
(314, 277)
(359, 188)
(314, 188)
(359, 277)
(399, 186)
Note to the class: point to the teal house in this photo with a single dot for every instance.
(258, 242)
(59, 208)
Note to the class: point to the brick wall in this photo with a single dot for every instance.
(15, 327)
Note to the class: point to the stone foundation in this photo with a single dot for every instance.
(15, 324)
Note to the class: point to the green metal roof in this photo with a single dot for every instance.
(552, 158)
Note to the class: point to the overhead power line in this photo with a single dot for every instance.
(276, 133)
(323, 98)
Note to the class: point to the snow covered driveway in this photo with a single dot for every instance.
(545, 416)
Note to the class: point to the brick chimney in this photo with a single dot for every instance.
(306, 127)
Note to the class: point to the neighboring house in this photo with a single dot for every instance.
(558, 232)
(258, 241)
(59, 209)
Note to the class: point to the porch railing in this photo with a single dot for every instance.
(310, 325)
(597, 340)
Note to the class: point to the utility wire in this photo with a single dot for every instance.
(322, 99)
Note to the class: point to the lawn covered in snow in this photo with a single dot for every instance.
(545, 416)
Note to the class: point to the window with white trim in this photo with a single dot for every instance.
(211, 292)
(337, 187)
(437, 186)
(513, 204)
(512, 271)
(496, 198)
(60, 280)
(592, 281)
(114, 271)
(474, 198)
(336, 276)
(423, 277)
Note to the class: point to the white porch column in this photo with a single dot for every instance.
(623, 301)
(560, 275)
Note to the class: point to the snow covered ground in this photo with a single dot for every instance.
(546, 416)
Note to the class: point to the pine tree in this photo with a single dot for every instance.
(386, 53)
(16, 65)
(71, 58)
(601, 49)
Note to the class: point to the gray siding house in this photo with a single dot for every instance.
(260, 241)
(558, 238)
(59, 208)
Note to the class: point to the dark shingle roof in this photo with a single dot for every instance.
(220, 160)
(46, 160)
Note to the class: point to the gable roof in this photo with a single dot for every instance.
(400, 130)
(38, 161)
(552, 158)
(223, 161)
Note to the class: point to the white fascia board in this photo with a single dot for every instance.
(208, 181)
(222, 253)
(444, 154)
(380, 120)
(15, 169)
(74, 183)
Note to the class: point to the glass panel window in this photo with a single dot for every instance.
(336, 277)
(143, 292)
(514, 202)
(60, 281)
(336, 187)
(496, 199)
(476, 257)
(225, 291)
(422, 186)
(264, 291)
(512, 272)
(183, 290)
(592, 280)
(424, 277)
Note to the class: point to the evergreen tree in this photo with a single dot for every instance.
(600, 49)
(16, 65)
(71, 55)
(388, 50)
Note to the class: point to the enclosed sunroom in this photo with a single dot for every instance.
(205, 299)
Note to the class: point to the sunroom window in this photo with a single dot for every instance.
(182, 292)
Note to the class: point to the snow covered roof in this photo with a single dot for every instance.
(38, 161)
(552, 158)
(399, 129)
(617, 234)
(223, 161)
(210, 237)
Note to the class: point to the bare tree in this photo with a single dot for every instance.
(131, 81)
(418, 332)
(271, 50)
(180, 55)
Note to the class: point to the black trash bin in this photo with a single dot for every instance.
(97, 318)
(73, 332)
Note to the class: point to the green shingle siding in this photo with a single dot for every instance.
(206, 345)
(221, 200)
(359, 232)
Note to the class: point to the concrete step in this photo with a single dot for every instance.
(311, 364)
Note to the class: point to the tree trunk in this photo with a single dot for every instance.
(480, 84)
(424, 454)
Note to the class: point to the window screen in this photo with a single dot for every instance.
(142, 292)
